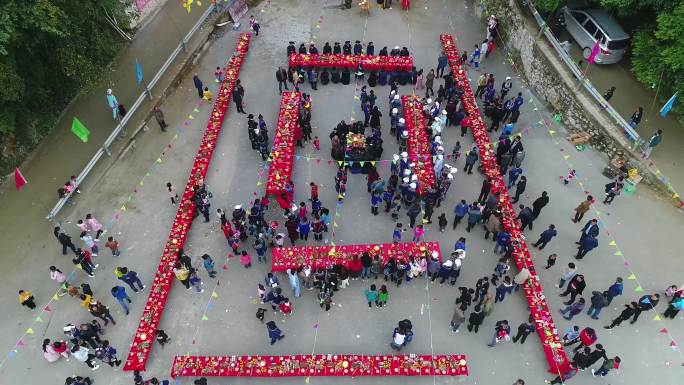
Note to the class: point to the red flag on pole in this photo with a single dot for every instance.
(19, 180)
(594, 52)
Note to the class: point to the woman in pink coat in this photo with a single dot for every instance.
(94, 225)
(51, 354)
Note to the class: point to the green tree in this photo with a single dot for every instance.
(49, 50)
(658, 53)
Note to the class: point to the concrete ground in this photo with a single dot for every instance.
(637, 222)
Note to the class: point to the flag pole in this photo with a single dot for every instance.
(650, 111)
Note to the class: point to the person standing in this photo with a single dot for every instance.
(371, 296)
(636, 117)
(159, 117)
(599, 300)
(198, 85)
(208, 264)
(274, 333)
(183, 274)
(519, 188)
(524, 330)
(546, 237)
(525, 217)
(65, 240)
(609, 93)
(119, 292)
(539, 204)
(590, 229)
(587, 244)
(442, 62)
(293, 278)
(475, 319)
(457, 319)
(281, 77)
(27, 299)
(131, 279)
(238, 95)
(474, 215)
(613, 189)
(573, 309)
(652, 142)
(112, 103)
(568, 274)
(615, 290)
(429, 82)
(626, 314)
(582, 208)
(575, 287)
(608, 364)
(646, 302)
(563, 377)
(113, 245)
(502, 332)
(81, 353)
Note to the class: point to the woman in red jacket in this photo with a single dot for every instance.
(355, 266)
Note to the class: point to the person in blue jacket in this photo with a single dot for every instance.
(587, 244)
(502, 241)
(119, 292)
(274, 333)
(545, 237)
(615, 289)
(460, 211)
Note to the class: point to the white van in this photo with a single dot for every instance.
(587, 26)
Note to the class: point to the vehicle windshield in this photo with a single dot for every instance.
(618, 44)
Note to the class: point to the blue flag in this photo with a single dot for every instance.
(668, 106)
(138, 72)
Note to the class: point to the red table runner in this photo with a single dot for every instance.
(546, 328)
(368, 62)
(283, 150)
(326, 256)
(319, 365)
(418, 146)
(161, 285)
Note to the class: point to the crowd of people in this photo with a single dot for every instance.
(398, 195)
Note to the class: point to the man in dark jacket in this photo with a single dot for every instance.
(575, 287)
(281, 77)
(524, 330)
(647, 302)
(539, 204)
(587, 244)
(525, 217)
(599, 300)
(626, 314)
(545, 237)
(581, 358)
(594, 356)
(65, 240)
(475, 319)
(590, 229)
(484, 191)
(238, 94)
(198, 85)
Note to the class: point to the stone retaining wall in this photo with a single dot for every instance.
(550, 79)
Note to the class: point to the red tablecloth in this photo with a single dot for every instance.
(319, 365)
(546, 328)
(418, 145)
(327, 256)
(368, 62)
(161, 285)
(283, 150)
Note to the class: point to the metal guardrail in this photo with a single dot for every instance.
(119, 129)
(631, 134)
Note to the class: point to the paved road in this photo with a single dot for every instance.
(640, 224)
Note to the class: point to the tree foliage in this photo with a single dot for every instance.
(49, 50)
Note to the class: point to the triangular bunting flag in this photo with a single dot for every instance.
(259, 183)
(663, 330)
(19, 180)
(335, 224)
(225, 267)
(205, 318)
(566, 157)
(672, 343)
(214, 295)
(552, 132)
(38, 319)
(657, 318)
(362, 163)
(340, 162)
(373, 164)
(638, 289)
(195, 110)
(618, 253)
(47, 308)
(56, 297)
(612, 243)
(337, 214)
(191, 117)
(29, 331)
(123, 208)
(632, 277)
(20, 343)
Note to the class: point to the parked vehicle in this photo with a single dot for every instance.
(587, 26)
